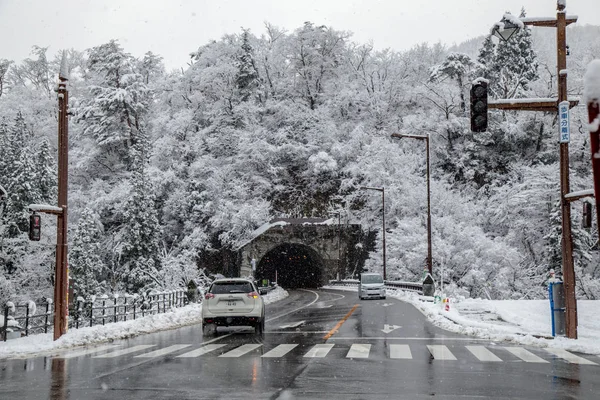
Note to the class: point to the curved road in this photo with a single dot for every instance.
(318, 344)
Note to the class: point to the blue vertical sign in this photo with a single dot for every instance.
(563, 122)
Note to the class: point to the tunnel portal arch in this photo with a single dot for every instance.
(291, 265)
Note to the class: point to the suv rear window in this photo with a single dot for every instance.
(231, 287)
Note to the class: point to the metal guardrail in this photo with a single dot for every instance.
(412, 286)
(21, 320)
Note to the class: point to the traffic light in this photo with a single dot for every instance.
(35, 226)
(587, 215)
(479, 106)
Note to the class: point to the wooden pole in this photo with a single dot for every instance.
(567, 237)
(593, 114)
(61, 282)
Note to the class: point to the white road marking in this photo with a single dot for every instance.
(202, 350)
(292, 325)
(571, 358)
(445, 339)
(525, 355)
(240, 351)
(162, 352)
(79, 353)
(440, 352)
(299, 308)
(483, 354)
(125, 351)
(319, 350)
(280, 351)
(390, 328)
(359, 350)
(400, 351)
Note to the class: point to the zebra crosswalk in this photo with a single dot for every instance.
(355, 351)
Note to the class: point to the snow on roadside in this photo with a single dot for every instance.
(526, 322)
(176, 318)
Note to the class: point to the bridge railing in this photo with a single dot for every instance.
(411, 286)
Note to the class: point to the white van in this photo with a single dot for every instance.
(371, 285)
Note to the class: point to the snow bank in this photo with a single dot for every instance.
(591, 81)
(526, 322)
(178, 317)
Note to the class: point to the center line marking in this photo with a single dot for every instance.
(335, 328)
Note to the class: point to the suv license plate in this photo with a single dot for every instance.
(231, 303)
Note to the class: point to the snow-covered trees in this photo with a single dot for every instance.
(86, 265)
(179, 168)
(112, 112)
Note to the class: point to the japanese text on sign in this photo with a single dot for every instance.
(563, 125)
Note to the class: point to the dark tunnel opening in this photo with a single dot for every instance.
(292, 266)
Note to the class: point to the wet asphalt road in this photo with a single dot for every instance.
(318, 344)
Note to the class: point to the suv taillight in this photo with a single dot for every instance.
(209, 296)
(254, 295)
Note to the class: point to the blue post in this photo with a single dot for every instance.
(550, 296)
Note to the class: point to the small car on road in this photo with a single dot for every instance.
(232, 302)
(371, 285)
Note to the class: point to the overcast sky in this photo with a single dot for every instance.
(173, 29)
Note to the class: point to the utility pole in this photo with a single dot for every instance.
(554, 105)
(61, 283)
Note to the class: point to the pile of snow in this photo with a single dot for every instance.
(178, 317)
(526, 322)
(591, 81)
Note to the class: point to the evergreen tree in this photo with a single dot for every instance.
(85, 256)
(247, 79)
(45, 171)
(113, 111)
(140, 235)
(485, 58)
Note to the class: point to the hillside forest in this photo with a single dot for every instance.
(171, 170)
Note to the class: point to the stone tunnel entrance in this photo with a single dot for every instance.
(295, 265)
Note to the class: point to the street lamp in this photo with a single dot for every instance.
(507, 27)
(339, 263)
(382, 190)
(426, 139)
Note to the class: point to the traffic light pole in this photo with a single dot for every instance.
(61, 282)
(552, 105)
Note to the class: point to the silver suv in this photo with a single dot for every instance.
(232, 302)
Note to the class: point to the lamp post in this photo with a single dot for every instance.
(339, 263)
(426, 139)
(551, 105)
(382, 190)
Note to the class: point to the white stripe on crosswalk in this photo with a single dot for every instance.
(162, 352)
(125, 351)
(280, 350)
(359, 350)
(400, 351)
(202, 350)
(240, 351)
(525, 355)
(79, 353)
(572, 358)
(319, 350)
(440, 352)
(483, 354)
